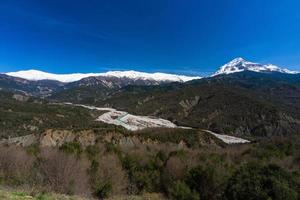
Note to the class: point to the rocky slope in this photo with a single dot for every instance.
(85, 138)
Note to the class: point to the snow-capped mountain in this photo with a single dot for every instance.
(236, 65)
(36, 75)
(240, 64)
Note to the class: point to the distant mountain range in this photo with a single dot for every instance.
(36, 75)
(78, 86)
(236, 65)
(100, 85)
(241, 98)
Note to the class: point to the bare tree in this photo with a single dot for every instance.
(64, 173)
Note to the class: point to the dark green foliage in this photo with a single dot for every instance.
(189, 136)
(254, 181)
(279, 148)
(81, 94)
(95, 185)
(180, 191)
(33, 149)
(71, 188)
(112, 148)
(71, 147)
(18, 118)
(23, 118)
(209, 180)
(160, 157)
(92, 151)
(147, 177)
(94, 166)
(103, 190)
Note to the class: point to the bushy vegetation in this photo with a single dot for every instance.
(254, 181)
(71, 147)
(144, 177)
(180, 191)
(189, 136)
(268, 169)
(34, 116)
(179, 163)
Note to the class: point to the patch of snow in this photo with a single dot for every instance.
(36, 75)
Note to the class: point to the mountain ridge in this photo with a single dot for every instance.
(236, 65)
(35, 75)
(245, 103)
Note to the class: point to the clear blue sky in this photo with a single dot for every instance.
(178, 36)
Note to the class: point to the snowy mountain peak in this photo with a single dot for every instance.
(240, 64)
(36, 75)
(237, 60)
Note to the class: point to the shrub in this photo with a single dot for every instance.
(112, 148)
(15, 165)
(92, 152)
(63, 173)
(180, 191)
(144, 177)
(209, 180)
(107, 176)
(33, 149)
(103, 190)
(174, 169)
(71, 147)
(253, 181)
(189, 136)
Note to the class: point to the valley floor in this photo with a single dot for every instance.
(127, 120)
(134, 122)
